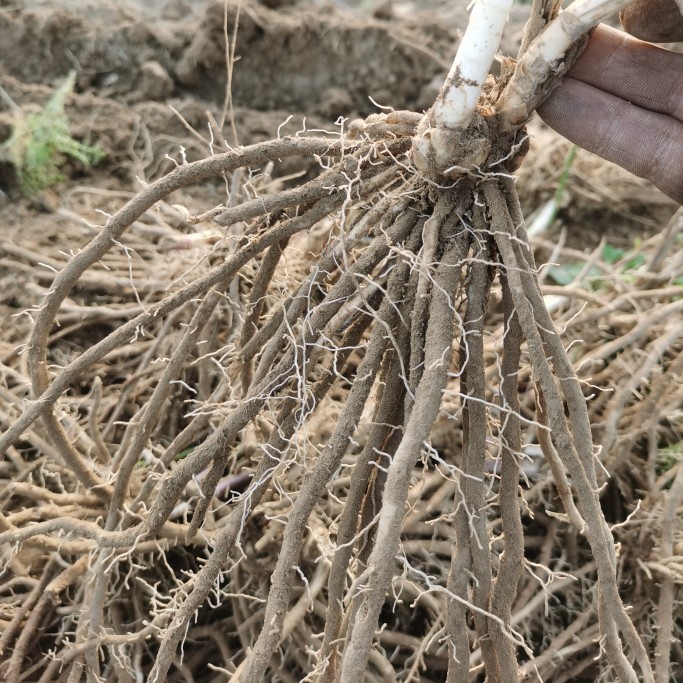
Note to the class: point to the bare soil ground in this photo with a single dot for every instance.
(149, 75)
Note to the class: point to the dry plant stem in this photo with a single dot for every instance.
(667, 589)
(512, 559)
(124, 333)
(551, 653)
(654, 402)
(638, 331)
(428, 398)
(187, 436)
(25, 609)
(230, 44)
(142, 427)
(525, 292)
(626, 390)
(29, 631)
(204, 580)
(174, 482)
(66, 579)
(671, 232)
(313, 486)
(183, 176)
(646, 415)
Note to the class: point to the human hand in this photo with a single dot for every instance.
(659, 21)
(623, 98)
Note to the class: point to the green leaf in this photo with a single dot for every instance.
(612, 254)
(635, 262)
(39, 142)
(567, 273)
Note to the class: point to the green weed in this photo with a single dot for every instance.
(567, 273)
(668, 458)
(40, 141)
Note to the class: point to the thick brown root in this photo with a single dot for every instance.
(412, 265)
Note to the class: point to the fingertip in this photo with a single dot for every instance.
(639, 72)
(646, 143)
(657, 21)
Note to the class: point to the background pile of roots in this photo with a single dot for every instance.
(223, 392)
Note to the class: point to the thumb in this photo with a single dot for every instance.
(659, 21)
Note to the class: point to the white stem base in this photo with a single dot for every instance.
(546, 53)
(460, 94)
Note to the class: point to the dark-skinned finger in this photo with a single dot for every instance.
(659, 21)
(646, 143)
(648, 76)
